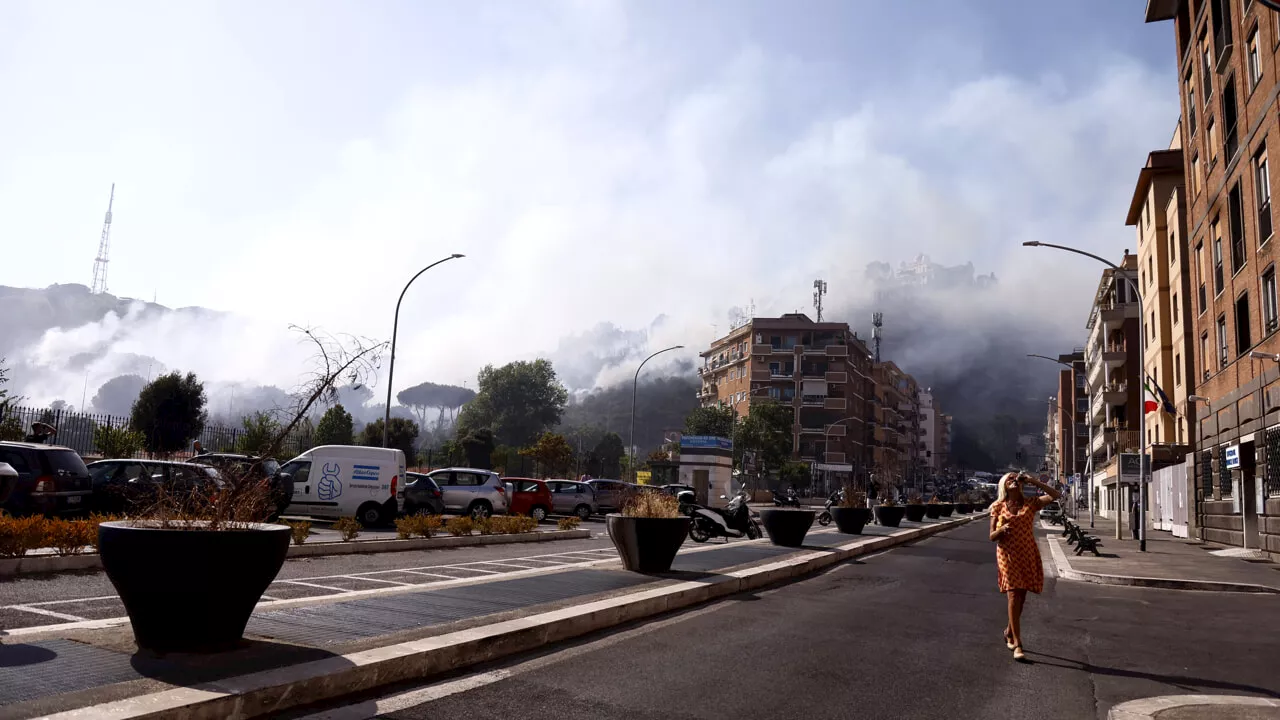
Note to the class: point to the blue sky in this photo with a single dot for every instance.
(597, 161)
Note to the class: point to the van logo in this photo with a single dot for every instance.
(330, 486)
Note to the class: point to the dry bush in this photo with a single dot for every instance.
(646, 504)
(18, 536)
(520, 524)
(429, 525)
(299, 529)
(97, 520)
(568, 523)
(348, 527)
(406, 526)
(70, 537)
(489, 525)
(459, 526)
(851, 498)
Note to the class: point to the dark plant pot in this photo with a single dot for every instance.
(915, 513)
(964, 508)
(932, 510)
(647, 545)
(947, 509)
(890, 515)
(190, 589)
(788, 526)
(850, 520)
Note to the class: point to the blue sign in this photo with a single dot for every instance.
(710, 442)
(1231, 454)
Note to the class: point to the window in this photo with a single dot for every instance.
(1196, 176)
(1243, 339)
(1173, 247)
(298, 471)
(1222, 342)
(1191, 104)
(1229, 144)
(1152, 325)
(1254, 60)
(1235, 211)
(1176, 315)
(1216, 232)
(1204, 354)
(1270, 317)
(1262, 185)
(1151, 268)
(1206, 67)
(1212, 139)
(1200, 272)
(1177, 370)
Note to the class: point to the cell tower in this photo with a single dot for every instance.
(819, 289)
(104, 247)
(877, 326)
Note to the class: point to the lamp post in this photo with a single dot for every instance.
(1143, 468)
(395, 328)
(1089, 464)
(635, 385)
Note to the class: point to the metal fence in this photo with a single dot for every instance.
(76, 431)
(1271, 480)
(1204, 472)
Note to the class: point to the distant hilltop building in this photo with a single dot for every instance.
(922, 272)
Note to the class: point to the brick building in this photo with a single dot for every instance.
(896, 457)
(1070, 414)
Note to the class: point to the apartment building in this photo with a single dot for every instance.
(1157, 211)
(822, 371)
(930, 430)
(1070, 414)
(896, 459)
(1228, 55)
(1112, 364)
(944, 441)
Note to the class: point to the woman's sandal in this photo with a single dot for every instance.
(1017, 654)
(1008, 639)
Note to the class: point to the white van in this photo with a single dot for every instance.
(333, 481)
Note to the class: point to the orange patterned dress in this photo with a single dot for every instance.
(1017, 554)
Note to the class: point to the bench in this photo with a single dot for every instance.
(1090, 543)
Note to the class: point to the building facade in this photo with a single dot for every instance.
(896, 459)
(1069, 412)
(1227, 58)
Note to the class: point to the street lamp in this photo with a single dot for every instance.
(1142, 359)
(635, 384)
(1089, 465)
(395, 327)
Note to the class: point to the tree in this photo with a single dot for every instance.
(518, 402)
(335, 427)
(5, 400)
(402, 434)
(427, 395)
(712, 420)
(258, 431)
(765, 432)
(118, 442)
(117, 395)
(478, 445)
(10, 426)
(170, 412)
(552, 453)
(608, 455)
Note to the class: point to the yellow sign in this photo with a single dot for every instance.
(643, 477)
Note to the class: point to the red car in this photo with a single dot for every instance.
(528, 497)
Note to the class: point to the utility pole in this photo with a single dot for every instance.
(877, 326)
(104, 247)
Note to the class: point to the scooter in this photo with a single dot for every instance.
(732, 521)
(824, 518)
(788, 500)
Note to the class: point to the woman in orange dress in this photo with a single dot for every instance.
(1017, 555)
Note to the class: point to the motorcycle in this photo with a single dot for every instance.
(732, 521)
(824, 518)
(788, 500)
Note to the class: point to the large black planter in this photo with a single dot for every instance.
(964, 508)
(788, 526)
(850, 520)
(947, 509)
(890, 515)
(190, 589)
(647, 545)
(933, 510)
(915, 513)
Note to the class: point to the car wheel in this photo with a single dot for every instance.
(538, 513)
(409, 509)
(583, 512)
(480, 509)
(370, 515)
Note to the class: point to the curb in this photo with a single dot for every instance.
(273, 691)
(1063, 566)
(1150, 708)
(33, 564)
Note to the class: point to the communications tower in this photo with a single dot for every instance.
(104, 247)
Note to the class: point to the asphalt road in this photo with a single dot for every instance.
(914, 632)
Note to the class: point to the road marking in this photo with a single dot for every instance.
(322, 587)
(427, 574)
(510, 564)
(50, 613)
(369, 579)
(77, 600)
(479, 570)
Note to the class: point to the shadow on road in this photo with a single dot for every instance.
(1189, 684)
(21, 655)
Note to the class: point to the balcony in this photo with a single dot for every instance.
(837, 377)
(813, 400)
(837, 351)
(837, 430)
(834, 403)
(834, 457)
(761, 349)
(1222, 43)
(819, 430)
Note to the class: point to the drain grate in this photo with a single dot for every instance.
(727, 557)
(34, 670)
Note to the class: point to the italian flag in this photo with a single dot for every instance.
(1149, 402)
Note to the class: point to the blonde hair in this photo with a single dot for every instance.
(1002, 492)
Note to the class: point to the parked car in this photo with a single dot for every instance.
(479, 493)
(52, 480)
(1052, 510)
(674, 489)
(611, 494)
(572, 498)
(421, 495)
(8, 478)
(528, 497)
(120, 486)
(343, 480)
(236, 467)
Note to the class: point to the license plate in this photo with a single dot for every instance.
(73, 499)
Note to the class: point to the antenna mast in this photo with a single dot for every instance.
(819, 289)
(877, 322)
(104, 247)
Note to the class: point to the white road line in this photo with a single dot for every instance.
(369, 579)
(479, 570)
(63, 602)
(427, 574)
(509, 564)
(307, 584)
(49, 613)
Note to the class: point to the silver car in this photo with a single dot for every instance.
(479, 493)
(572, 498)
(611, 494)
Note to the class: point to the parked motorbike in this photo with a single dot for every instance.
(732, 521)
(787, 500)
(824, 518)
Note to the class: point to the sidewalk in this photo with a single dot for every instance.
(1169, 562)
(308, 650)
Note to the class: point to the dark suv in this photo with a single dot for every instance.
(123, 485)
(235, 468)
(52, 480)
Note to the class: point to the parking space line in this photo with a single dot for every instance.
(307, 584)
(63, 602)
(427, 574)
(369, 579)
(509, 564)
(49, 613)
(473, 569)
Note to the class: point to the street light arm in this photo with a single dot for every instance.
(635, 385)
(395, 330)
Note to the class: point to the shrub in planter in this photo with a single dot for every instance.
(788, 526)
(568, 523)
(946, 508)
(348, 527)
(520, 524)
(890, 514)
(70, 537)
(427, 525)
(648, 532)
(18, 536)
(300, 530)
(459, 526)
(915, 510)
(405, 527)
(488, 525)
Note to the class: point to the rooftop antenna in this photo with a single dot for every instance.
(104, 246)
(819, 289)
(877, 327)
